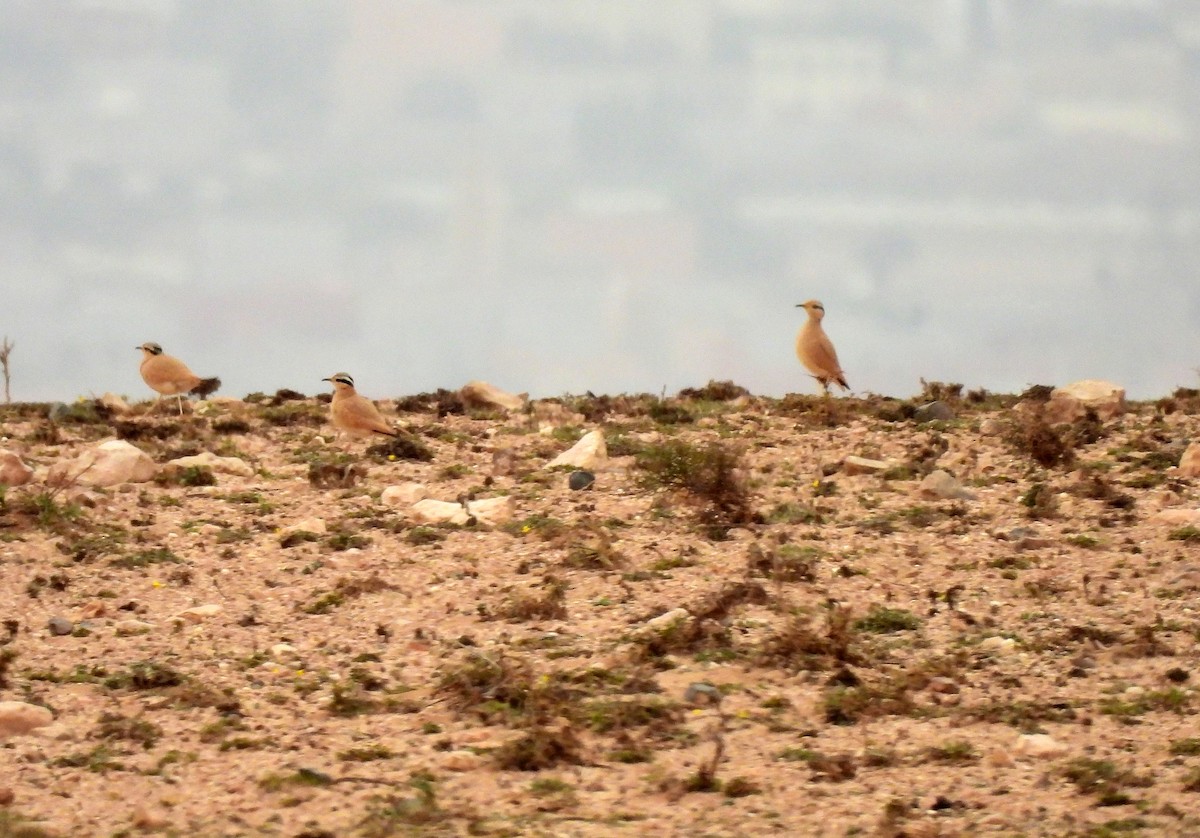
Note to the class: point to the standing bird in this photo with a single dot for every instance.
(352, 413)
(169, 376)
(815, 350)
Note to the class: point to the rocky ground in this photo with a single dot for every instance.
(763, 616)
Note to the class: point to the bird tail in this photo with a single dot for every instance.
(206, 387)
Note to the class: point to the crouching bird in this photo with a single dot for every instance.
(815, 349)
(352, 413)
(169, 376)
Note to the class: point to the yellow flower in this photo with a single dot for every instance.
(156, 584)
(392, 458)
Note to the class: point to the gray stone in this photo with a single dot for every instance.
(934, 412)
(702, 693)
(60, 626)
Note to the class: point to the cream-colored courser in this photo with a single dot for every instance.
(169, 376)
(815, 349)
(352, 413)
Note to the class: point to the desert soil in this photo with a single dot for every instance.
(846, 655)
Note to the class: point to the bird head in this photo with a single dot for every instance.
(340, 381)
(150, 348)
(813, 307)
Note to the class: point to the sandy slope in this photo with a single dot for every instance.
(386, 678)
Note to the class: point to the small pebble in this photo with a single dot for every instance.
(60, 626)
(702, 693)
(580, 480)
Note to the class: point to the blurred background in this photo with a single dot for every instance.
(605, 195)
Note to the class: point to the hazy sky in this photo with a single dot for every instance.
(612, 195)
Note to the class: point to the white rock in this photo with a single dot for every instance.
(1177, 517)
(313, 525)
(284, 653)
(13, 471)
(114, 403)
(589, 453)
(17, 718)
(1189, 463)
(493, 511)
(222, 465)
(125, 628)
(991, 427)
(86, 497)
(199, 613)
(663, 623)
(941, 484)
(551, 415)
(1071, 403)
(107, 464)
(863, 465)
(998, 645)
(405, 494)
(430, 511)
(1039, 746)
(489, 511)
(482, 394)
(461, 761)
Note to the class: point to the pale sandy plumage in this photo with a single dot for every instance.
(815, 350)
(169, 376)
(352, 413)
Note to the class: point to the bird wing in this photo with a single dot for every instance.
(361, 413)
(168, 375)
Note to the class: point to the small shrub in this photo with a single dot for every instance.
(196, 476)
(1033, 436)
(116, 726)
(145, 558)
(366, 753)
(881, 620)
(710, 475)
(959, 751)
(1188, 534)
(549, 604)
(404, 446)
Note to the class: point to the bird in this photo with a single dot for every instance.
(169, 376)
(815, 350)
(352, 413)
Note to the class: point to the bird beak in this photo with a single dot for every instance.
(327, 379)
